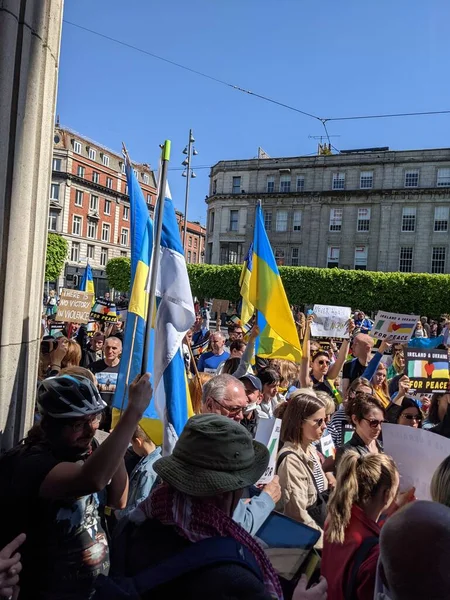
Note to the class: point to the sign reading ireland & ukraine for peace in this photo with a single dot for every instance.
(395, 327)
(427, 369)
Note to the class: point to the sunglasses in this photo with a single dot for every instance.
(412, 418)
(374, 423)
(316, 422)
(324, 362)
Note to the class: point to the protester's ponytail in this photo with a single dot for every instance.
(359, 478)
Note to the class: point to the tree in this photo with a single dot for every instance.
(57, 248)
(118, 271)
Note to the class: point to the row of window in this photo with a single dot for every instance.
(286, 185)
(92, 230)
(190, 242)
(55, 190)
(90, 253)
(191, 257)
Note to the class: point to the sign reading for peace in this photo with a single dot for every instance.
(398, 328)
(427, 369)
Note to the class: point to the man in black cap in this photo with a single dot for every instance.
(253, 390)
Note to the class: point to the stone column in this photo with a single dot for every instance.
(30, 34)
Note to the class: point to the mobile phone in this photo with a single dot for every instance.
(48, 344)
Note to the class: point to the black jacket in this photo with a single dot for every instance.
(356, 444)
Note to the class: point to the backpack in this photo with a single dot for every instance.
(350, 590)
(207, 552)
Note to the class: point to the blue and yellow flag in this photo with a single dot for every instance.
(278, 337)
(247, 308)
(87, 282)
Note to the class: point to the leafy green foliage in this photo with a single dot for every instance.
(57, 248)
(118, 271)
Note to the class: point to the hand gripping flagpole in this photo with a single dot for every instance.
(153, 275)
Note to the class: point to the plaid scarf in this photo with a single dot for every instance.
(197, 521)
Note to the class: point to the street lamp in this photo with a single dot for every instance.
(190, 151)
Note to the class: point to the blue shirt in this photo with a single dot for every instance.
(210, 361)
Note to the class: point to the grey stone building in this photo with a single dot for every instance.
(376, 209)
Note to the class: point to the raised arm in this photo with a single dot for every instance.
(335, 369)
(375, 361)
(246, 359)
(305, 380)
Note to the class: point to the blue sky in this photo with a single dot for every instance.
(328, 58)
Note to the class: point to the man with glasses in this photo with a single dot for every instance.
(225, 395)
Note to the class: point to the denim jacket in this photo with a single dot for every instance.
(142, 479)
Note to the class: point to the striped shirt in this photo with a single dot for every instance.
(318, 475)
(336, 426)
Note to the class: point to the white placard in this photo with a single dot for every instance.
(398, 328)
(330, 321)
(268, 433)
(327, 445)
(417, 453)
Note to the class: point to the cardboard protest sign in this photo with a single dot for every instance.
(398, 328)
(427, 369)
(74, 306)
(104, 311)
(417, 453)
(219, 306)
(330, 321)
(268, 433)
(327, 446)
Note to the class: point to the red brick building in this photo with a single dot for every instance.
(195, 240)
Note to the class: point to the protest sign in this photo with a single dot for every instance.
(417, 453)
(427, 369)
(330, 321)
(219, 306)
(398, 328)
(327, 446)
(104, 311)
(74, 306)
(268, 433)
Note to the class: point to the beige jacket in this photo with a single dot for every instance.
(298, 491)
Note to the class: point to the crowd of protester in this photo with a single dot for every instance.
(90, 512)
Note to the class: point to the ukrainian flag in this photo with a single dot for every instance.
(278, 337)
(87, 282)
(247, 308)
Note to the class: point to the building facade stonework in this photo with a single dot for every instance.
(378, 210)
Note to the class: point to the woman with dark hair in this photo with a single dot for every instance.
(438, 420)
(302, 479)
(405, 412)
(367, 414)
(270, 380)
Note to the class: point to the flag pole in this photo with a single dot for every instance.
(153, 275)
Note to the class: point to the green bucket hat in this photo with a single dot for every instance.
(213, 455)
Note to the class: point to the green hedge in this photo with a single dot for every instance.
(410, 293)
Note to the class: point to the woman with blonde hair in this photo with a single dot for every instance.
(380, 385)
(366, 487)
(73, 355)
(398, 365)
(302, 479)
(195, 389)
(440, 483)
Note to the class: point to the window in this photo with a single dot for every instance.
(56, 166)
(126, 190)
(338, 181)
(78, 198)
(361, 258)
(336, 219)
(270, 184)
(441, 218)
(109, 182)
(90, 252)
(54, 191)
(409, 219)
(234, 220)
(103, 256)
(366, 180)
(300, 183)
(231, 253)
(124, 237)
(194, 257)
(53, 220)
(211, 221)
(412, 178)
(406, 259)
(123, 253)
(189, 256)
(149, 198)
(214, 187)
(145, 178)
(438, 260)
(285, 183)
(363, 219)
(92, 153)
(77, 147)
(105, 232)
(93, 203)
(190, 241)
(443, 178)
(136, 174)
(281, 222)
(92, 229)
(294, 257)
(107, 207)
(76, 225)
(236, 185)
(333, 257)
(268, 220)
(297, 220)
(195, 242)
(279, 256)
(75, 252)
(81, 171)
(126, 213)
(95, 177)
(122, 167)
(105, 160)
